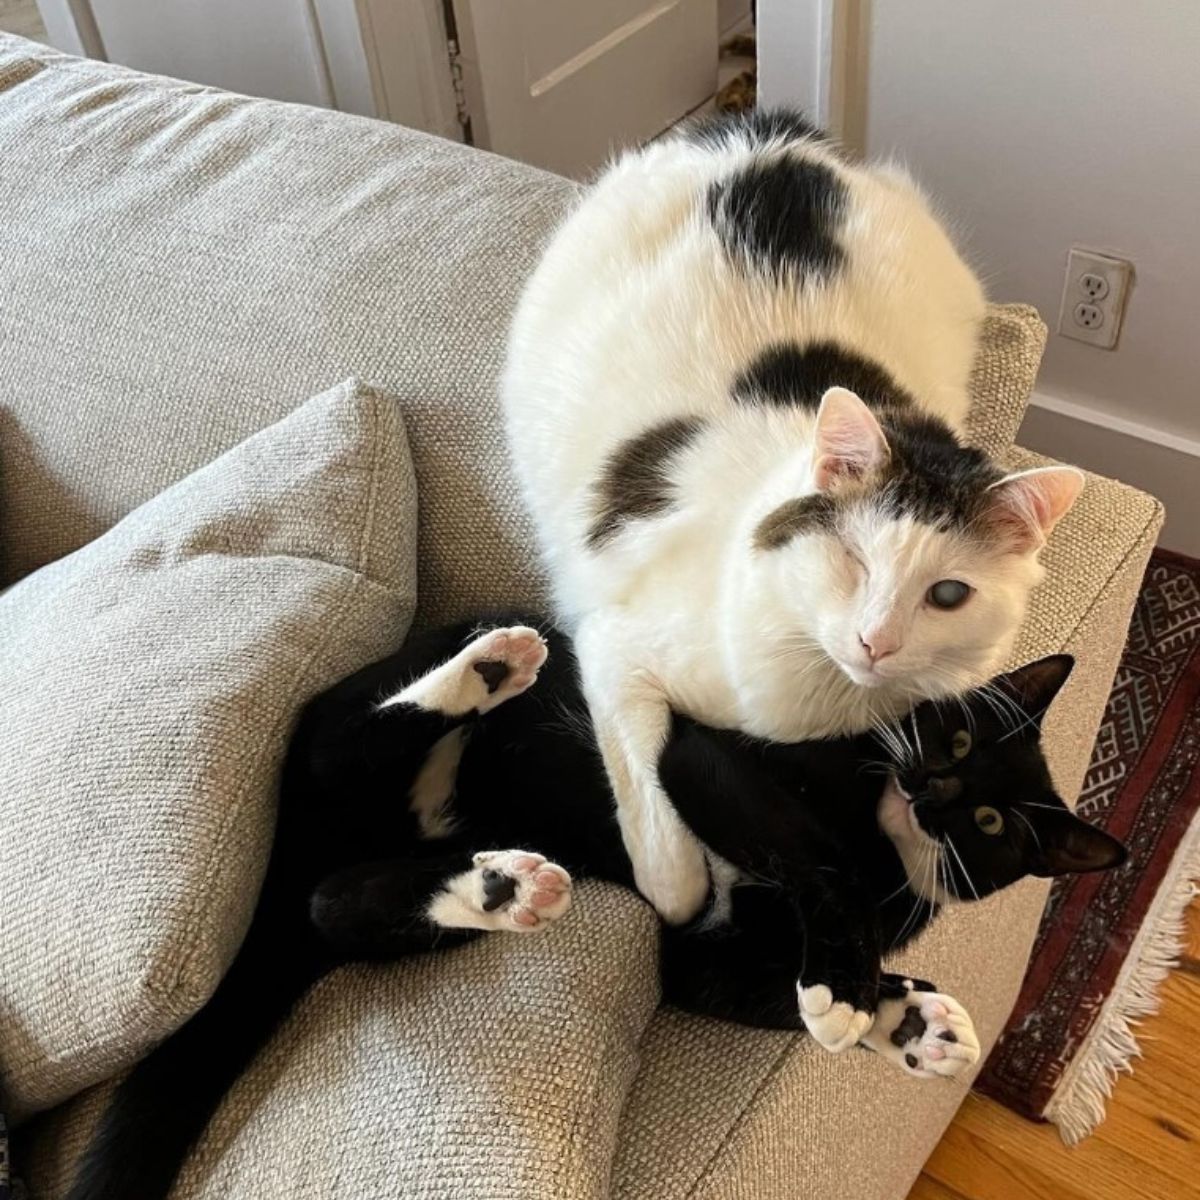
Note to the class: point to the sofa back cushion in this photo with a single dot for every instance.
(181, 267)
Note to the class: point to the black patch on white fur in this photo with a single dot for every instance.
(931, 476)
(788, 374)
(780, 215)
(758, 125)
(494, 674)
(913, 1026)
(498, 889)
(636, 480)
(806, 514)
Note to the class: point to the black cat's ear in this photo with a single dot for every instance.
(1067, 845)
(1036, 684)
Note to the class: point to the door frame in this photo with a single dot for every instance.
(71, 28)
(405, 48)
(812, 54)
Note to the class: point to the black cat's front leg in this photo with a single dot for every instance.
(744, 970)
(838, 983)
(925, 1032)
(387, 910)
(740, 813)
(781, 962)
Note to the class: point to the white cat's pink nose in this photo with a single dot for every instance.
(878, 644)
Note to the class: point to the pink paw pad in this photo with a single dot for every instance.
(540, 890)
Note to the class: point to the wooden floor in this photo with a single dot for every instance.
(1148, 1147)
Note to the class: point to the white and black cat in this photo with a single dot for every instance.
(734, 393)
(844, 864)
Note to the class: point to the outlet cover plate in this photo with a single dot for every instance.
(1117, 273)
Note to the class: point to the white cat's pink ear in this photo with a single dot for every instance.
(849, 441)
(1028, 504)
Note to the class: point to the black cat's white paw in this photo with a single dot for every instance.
(511, 891)
(926, 1034)
(495, 667)
(835, 1024)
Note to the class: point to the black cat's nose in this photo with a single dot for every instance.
(944, 790)
(498, 889)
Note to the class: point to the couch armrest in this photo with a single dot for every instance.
(722, 1113)
(1010, 352)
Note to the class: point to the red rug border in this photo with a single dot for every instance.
(1170, 725)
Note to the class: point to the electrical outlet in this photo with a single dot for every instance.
(1093, 299)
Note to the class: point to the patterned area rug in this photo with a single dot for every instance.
(1107, 941)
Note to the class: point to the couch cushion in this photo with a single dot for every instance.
(181, 266)
(148, 684)
(498, 1069)
(1010, 353)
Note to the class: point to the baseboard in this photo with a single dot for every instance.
(1164, 464)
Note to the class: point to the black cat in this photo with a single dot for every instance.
(842, 849)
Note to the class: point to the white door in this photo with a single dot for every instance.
(561, 83)
(379, 58)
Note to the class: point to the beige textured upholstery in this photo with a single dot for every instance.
(1010, 354)
(148, 683)
(495, 1070)
(186, 266)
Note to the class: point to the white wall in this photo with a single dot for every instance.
(798, 55)
(1039, 124)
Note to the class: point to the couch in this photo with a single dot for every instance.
(180, 267)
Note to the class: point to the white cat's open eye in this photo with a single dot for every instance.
(960, 745)
(989, 820)
(948, 593)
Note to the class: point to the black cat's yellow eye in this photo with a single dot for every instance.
(948, 593)
(989, 820)
(960, 745)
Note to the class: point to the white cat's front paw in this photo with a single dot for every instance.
(926, 1034)
(835, 1024)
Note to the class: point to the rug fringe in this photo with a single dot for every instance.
(1078, 1103)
